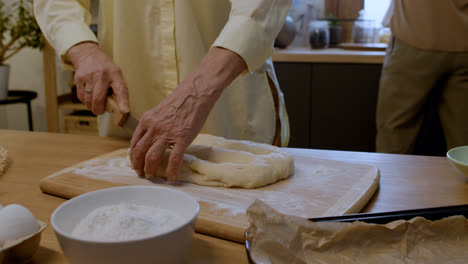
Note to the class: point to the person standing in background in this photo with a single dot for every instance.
(182, 66)
(428, 52)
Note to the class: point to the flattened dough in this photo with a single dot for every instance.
(216, 161)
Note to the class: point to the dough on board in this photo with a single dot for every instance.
(216, 161)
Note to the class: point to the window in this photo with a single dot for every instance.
(376, 9)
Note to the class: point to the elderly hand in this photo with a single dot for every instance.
(95, 74)
(178, 119)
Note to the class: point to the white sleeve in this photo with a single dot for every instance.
(252, 28)
(64, 23)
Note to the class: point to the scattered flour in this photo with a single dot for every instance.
(125, 221)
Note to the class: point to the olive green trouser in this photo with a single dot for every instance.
(409, 75)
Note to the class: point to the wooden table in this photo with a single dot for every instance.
(407, 182)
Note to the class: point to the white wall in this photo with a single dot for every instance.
(26, 73)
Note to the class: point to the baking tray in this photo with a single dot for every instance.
(433, 214)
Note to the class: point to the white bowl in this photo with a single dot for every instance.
(21, 250)
(169, 247)
(459, 158)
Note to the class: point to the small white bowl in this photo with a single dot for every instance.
(169, 247)
(458, 157)
(21, 250)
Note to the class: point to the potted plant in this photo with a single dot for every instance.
(18, 29)
(334, 28)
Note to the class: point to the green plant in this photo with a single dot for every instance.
(18, 28)
(332, 20)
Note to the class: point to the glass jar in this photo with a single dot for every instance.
(365, 31)
(384, 35)
(319, 36)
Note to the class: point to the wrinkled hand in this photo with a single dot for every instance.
(95, 73)
(178, 119)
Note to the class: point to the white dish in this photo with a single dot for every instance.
(169, 247)
(22, 249)
(458, 157)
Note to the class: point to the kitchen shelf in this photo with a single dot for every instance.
(65, 102)
(331, 55)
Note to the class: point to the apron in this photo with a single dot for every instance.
(157, 43)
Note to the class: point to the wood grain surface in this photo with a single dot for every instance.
(407, 182)
(34, 155)
(317, 188)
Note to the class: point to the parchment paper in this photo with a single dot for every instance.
(279, 238)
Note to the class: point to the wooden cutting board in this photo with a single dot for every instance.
(318, 187)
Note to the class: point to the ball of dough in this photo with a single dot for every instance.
(220, 162)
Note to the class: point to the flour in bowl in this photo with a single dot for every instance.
(125, 221)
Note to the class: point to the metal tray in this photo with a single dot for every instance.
(435, 213)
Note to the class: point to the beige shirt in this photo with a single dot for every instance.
(157, 43)
(439, 25)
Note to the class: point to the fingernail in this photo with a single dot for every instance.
(124, 109)
(148, 175)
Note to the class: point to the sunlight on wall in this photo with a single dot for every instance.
(26, 73)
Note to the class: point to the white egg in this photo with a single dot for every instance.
(1, 206)
(16, 222)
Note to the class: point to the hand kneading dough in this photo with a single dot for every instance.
(216, 161)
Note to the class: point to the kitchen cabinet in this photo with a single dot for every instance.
(331, 105)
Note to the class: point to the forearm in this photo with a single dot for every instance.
(179, 117)
(216, 71)
(80, 51)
